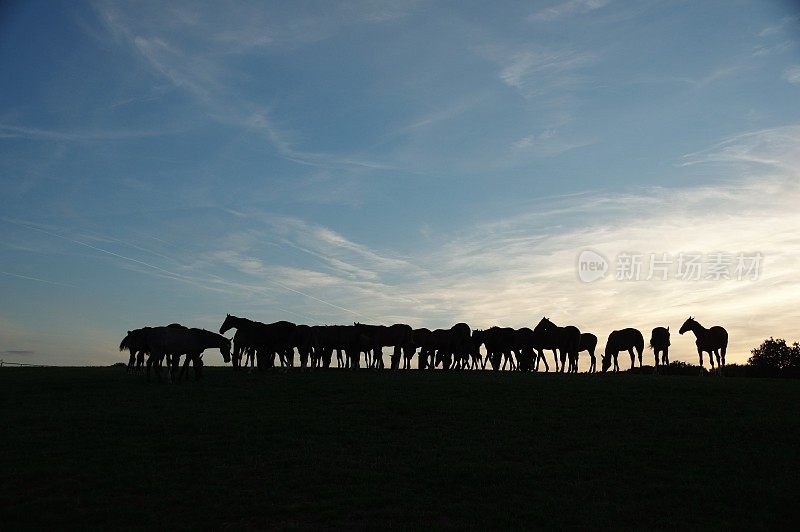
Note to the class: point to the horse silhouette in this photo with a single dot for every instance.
(623, 340)
(566, 340)
(344, 339)
(461, 344)
(525, 349)
(303, 342)
(499, 343)
(423, 340)
(659, 343)
(175, 340)
(268, 339)
(589, 344)
(136, 343)
(713, 341)
(400, 336)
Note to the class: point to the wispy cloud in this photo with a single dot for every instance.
(792, 74)
(548, 143)
(564, 9)
(192, 49)
(13, 131)
(537, 70)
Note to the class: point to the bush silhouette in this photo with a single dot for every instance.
(776, 357)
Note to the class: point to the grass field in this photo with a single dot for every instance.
(95, 447)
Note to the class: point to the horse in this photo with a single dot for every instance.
(623, 340)
(714, 341)
(588, 344)
(303, 342)
(400, 335)
(659, 343)
(525, 349)
(500, 343)
(178, 340)
(135, 343)
(342, 338)
(461, 344)
(566, 339)
(422, 340)
(267, 339)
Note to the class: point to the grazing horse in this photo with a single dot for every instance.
(344, 339)
(623, 340)
(525, 347)
(713, 341)
(659, 343)
(178, 340)
(566, 339)
(588, 344)
(461, 344)
(500, 343)
(377, 337)
(423, 340)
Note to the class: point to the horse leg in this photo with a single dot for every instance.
(185, 368)
(722, 352)
(633, 358)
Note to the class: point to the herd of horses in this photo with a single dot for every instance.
(261, 345)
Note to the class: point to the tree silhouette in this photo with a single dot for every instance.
(777, 355)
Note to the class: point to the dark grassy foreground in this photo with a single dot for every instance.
(99, 448)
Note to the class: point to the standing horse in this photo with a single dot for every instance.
(623, 340)
(659, 343)
(135, 343)
(566, 339)
(588, 344)
(176, 341)
(267, 339)
(713, 341)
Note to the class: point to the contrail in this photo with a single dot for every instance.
(177, 275)
(37, 279)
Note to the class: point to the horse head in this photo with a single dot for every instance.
(227, 325)
(688, 325)
(605, 362)
(226, 351)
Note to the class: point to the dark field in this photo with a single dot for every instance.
(98, 448)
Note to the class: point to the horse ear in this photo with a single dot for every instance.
(667, 328)
(129, 332)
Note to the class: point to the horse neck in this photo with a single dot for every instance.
(698, 329)
(212, 339)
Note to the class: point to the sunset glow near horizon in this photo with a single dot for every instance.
(396, 162)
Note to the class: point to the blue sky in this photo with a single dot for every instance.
(419, 162)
